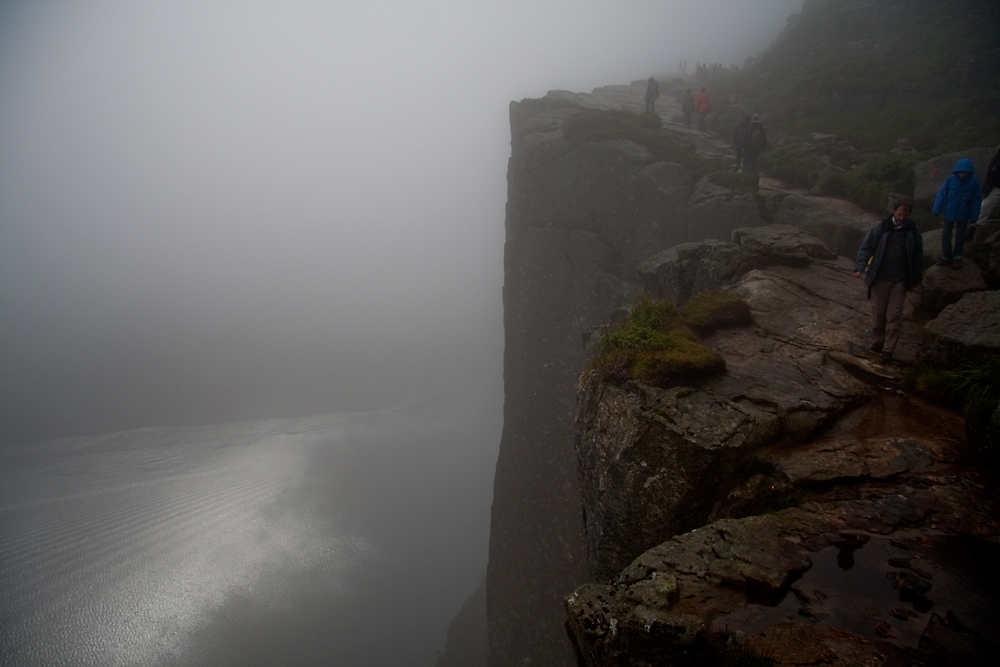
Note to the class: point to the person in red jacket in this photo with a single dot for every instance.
(702, 106)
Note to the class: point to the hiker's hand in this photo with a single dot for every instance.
(858, 274)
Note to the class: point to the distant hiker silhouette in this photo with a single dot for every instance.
(687, 108)
(652, 94)
(702, 105)
(755, 143)
(740, 139)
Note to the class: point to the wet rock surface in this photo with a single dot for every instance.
(888, 558)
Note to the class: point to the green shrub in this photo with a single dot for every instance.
(870, 183)
(794, 166)
(656, 345)
(973, 388)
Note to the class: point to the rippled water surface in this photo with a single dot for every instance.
(345, 539)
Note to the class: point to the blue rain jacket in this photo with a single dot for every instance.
(960, 199)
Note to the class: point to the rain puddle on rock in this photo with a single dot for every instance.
(887, 589)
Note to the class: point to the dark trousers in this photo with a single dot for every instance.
(947, 252)
(750, 156)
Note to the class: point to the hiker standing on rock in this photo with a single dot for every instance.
(891, 260)
(740, 139)
(959, 199)
(755, 144)
(652, 94)
(991, 193)
(687, 108)
(702, 105)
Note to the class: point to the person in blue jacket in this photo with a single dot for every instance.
(959, 200)
(891, 260)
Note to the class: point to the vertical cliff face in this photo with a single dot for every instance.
(579, 221)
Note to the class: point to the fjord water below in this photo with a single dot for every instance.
(341, 539)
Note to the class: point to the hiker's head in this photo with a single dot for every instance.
(901, 209)
(962, 174)
(755, 118)
(702, 90)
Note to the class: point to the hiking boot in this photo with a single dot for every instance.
(886, 357)
(944, 262)
(877, 346)
(957, 264)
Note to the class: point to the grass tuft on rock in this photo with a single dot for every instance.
(656, 344)
(974, 389)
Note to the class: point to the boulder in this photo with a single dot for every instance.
(943, 285)
(929, 175)
(839, 224)
(714, 212)
(982, 247)
(932, 247)
(780, 244)
(964, 331)
(685, 270)
(651, 462)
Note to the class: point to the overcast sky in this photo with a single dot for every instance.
(214, 210)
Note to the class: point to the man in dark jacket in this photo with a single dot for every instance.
(991, 193)
(891, 260)
(959, 200)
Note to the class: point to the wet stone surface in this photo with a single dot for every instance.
(889, 557)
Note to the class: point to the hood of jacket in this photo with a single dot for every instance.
(965, 164)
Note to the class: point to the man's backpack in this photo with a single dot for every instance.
(756, 137)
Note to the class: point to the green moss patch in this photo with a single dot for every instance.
(656, 344)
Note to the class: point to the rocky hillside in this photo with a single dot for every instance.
(698, 507)
(594, 221)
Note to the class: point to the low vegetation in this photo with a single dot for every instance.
(657, 344)
(973, 388)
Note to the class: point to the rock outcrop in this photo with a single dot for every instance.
(882, 552)
(965, 331)
(657, 462)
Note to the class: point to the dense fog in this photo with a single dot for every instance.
(222, 210)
